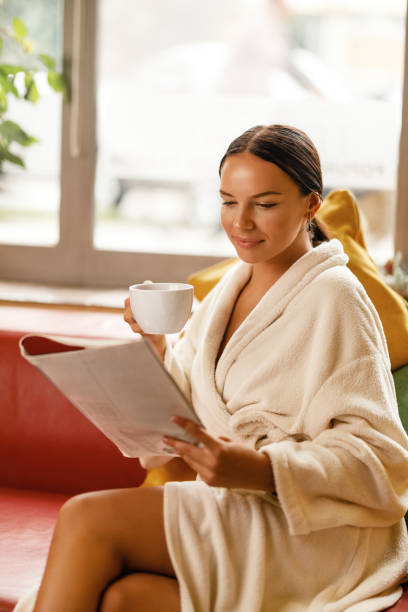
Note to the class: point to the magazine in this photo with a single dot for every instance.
(122, 387)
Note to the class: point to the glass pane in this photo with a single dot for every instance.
(29, 197)
(188, 77)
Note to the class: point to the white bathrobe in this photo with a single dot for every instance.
(305, 379)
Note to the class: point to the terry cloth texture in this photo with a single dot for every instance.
(306, 379)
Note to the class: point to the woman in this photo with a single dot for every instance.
(303, 463)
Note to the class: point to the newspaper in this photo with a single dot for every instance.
(123, 388)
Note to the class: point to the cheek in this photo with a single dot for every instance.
(287, 224)
(274, 223)
(225, 218)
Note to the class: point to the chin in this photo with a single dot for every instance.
(251, 258)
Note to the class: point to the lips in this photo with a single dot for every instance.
(245, 243)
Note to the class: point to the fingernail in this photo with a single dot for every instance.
(176, 419)
(165, 439)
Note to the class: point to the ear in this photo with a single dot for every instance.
(313, 203)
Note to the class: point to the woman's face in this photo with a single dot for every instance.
(263, 212)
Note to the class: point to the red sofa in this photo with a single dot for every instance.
(48, 450)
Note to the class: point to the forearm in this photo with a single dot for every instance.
(220, 462)
(267, 475)
(260, 476)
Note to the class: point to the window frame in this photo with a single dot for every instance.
(401, 209)
(74, 261)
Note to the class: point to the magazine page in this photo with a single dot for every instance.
(123, 388)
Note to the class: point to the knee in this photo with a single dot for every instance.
(78, 513)
(117, 598)
(141, 591)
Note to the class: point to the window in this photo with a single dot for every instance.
(29, 201)
(160, 89)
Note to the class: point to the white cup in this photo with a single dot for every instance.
(161, 308)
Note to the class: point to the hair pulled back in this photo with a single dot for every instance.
(292, 151)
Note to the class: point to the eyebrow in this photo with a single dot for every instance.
(255, 195)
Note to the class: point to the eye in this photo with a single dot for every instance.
(228, 203)
(266, 205)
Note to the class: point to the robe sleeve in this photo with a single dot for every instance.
(177, 361)
(353, 467)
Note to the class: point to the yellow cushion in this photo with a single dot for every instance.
(176, 469)
(204, 280)
(340, 217)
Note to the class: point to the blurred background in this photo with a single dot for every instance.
(177, 81)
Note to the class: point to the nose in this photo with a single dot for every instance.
(243, 218)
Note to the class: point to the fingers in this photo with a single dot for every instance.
(189, 452)
(128, 317)
(197, 467)
(196, 431)
(204, 457)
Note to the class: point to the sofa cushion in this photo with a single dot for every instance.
(27, 522)
(401, 388)
(45, 442)
(204, 280)
(402, 604)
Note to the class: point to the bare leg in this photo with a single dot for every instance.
(98, 538)
(144, 592)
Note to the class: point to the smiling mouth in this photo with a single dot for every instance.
(246, 244)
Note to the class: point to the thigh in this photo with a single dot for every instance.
(131, 520)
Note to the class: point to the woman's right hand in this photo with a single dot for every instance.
(158, 340)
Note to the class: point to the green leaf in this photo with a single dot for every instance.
(56, 81)
(6, 155)
(7, 83)
(59, 83)
(3, 101)
(31, 93)
(12, 132)
(47, 61)
(19, 29)
(10, 69)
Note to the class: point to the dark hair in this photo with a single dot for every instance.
(294, 153)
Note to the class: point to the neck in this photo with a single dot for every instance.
(266, 273)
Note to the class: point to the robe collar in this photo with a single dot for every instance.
(298, 276)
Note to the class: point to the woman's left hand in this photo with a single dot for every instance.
(221, 462)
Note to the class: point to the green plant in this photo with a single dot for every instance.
(18, 79)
